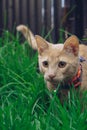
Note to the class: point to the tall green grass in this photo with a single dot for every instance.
(25, 103)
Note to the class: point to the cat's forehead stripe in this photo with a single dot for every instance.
(55, 50)
(58, 46)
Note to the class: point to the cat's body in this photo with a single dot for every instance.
(59, 63)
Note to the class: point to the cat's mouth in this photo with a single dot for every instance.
(53, 81)
(56, 82)
(50, 80)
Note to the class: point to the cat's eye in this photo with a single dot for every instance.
(45, 63)
(62, 64)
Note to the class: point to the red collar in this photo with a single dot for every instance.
(76, 81)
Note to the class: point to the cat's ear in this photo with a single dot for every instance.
(71, 45)
(42, 44)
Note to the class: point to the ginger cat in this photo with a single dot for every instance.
(59, 63)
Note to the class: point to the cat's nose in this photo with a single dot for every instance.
(52, 76)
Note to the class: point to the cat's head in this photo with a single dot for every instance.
(58, 62)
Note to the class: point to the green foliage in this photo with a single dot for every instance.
(25, 103)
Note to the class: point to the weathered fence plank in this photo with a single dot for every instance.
(10, 14)
(24, 11)
(1, 21)
(4, 14)
(79, 18)
(57, 20)
(31, 15)
(38, 16)
(17, 11)
(47, 15)
(85, 18)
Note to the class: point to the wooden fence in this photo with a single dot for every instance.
(43, 16)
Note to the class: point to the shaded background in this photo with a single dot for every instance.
(43, 16)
